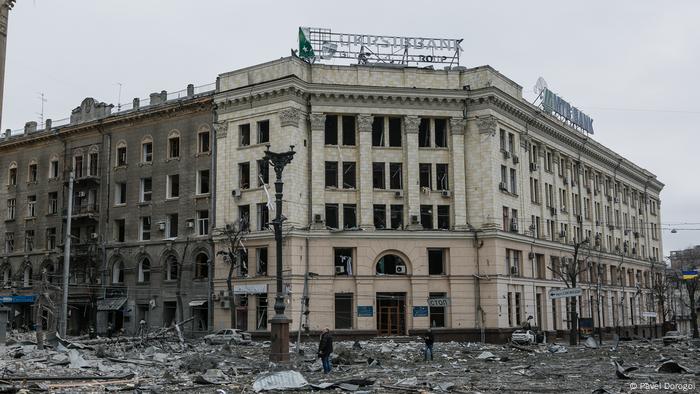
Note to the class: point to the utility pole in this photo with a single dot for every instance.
(66, 258)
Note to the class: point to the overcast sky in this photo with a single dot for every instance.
(631, 65)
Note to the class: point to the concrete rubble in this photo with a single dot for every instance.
(164, 363)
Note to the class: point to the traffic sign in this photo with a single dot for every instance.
(565, 293)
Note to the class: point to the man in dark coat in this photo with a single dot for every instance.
(429, 339)
(325, 348)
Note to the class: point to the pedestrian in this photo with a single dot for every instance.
(429, 339)
(325, 348)
(109, 330)
(142, 328)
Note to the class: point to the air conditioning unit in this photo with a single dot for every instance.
(339, 269)
(400, 269)
(318, 218)
(236, 193)
(516, 159)
(506, 154)
(190, 223)
(81, 194)
(161, 226)
(533, 167)
(503, 186)
(398, 194)
(514, 270)
(226, 304)
(93, 236)
(446, 193)
(425, 190)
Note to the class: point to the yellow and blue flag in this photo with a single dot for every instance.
(688, 275)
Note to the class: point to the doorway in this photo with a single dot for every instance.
(391, 313)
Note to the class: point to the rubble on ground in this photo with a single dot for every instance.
(164, 363)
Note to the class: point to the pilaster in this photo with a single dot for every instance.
(364, 124)
(457, 126)
(318, 178)
(413, 185)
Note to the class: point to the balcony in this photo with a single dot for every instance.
(84, 211)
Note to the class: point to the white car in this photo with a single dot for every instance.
(523, 337)
(229, 336)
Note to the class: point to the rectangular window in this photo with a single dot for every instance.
(378, 178)
(171, 225)
(331, 130)
(443, 181)
(203, 144)
(348, 130)
(331, 174)
(513, 182)
(33, 169)
(53, 169)
(203, 182)
(378, 131)
(332, 216)
(263, 217)
(511, 143)
(263, 172)
(395, 176)
(425, 175)
(436, 261)
(120, 194)
(121, 157)
(173, 147)
(504, 178)
(53, 203)
(342, 258)
(147, 152)
(51, 238)
(244, 175)
(173, 186)
(424, 133)
(343, 311)
(349, 216)
(92, 164)
(145, 230)
(426, 216)
(31, 206)
(506, 219)
(510, 308)
(29, 240)
(380, 216)
(437, 313)
(11, 209)
(397, 217)
(394, 131)
(244, 134)
(261, 312)
(440, 133)
(244, 216)
(443, 217)
(12, 179)
(120, 230)
(502, 140)
(263, 131)
(9, 242)
(203, 222)
(261, 255)
(78, 165)
(146, 189)
(349, 175)
(518, 308)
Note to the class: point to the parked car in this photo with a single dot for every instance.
(673, 337)
(230, 336)
(523, 337)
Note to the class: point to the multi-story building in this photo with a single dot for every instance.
(682, 260)
(141, 205)
(421, 197)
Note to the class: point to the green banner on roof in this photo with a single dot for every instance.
(306, 51)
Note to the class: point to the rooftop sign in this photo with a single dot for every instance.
(321, 44)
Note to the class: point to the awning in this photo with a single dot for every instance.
(197, 302)
(111, 304)
(250, 289)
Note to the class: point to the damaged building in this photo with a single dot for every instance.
(140, 245)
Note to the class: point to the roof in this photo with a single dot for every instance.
(111, 304)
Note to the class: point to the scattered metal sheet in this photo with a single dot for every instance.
(672, 367)
(283, 380)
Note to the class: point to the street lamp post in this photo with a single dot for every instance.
(279, 351)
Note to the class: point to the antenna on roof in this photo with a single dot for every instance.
(119, 98)
(43, 99)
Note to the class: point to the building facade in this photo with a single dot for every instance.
(141, 199)
(421, 198)
(683, 260)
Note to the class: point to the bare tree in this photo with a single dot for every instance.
(660, 288)
(690, 259)
(233, 233)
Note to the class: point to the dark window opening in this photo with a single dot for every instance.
(441, 133)
(349, 216)
(204, 142)
(425, 171)
(331, 174)
(244, 175)
(424, 133)
(343, 261)
(261, 312)
(378, 131)
(378, 175)
(92, 165)
(332, 215)
(436, 261)
(437, 313)
(349, 130)
(263, 217)
(391, 265)
(442, 177)
(343, 311)
(244, 216)
(349, 175)
(204, 182)
(331, 130)
(119, 230)
(201, 266)
(263, 131)
(174, 147)
(395, 176)
(263, 172)
(174, 184)
(443, 217)
(262, 261)
(380, 216)
(243, 262)
(244, 134)
(397, 217)
(394, 131)
(172, 225)
(121, 157)
(426, 216)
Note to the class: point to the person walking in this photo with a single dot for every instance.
(429, 339)
(325, 348)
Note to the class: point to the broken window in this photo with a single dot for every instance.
(244, 175)
(263, 217)
(261, 312)
(397, 217)
(436, 261)
(426, 216)
(172, 225)
(394, 131)
(243, 262)
(425, 171)
(342, 258)
(173, 186)
(173, 147)
(343, 311)
(263, 131)
(332, 215)
(331, 174)
(349, 130)
(378, 175)
(424, 133)
(395, 176)
(244, 134)
(119, 230)
(262, 261)
(349, 216)
(380, 216)
(204, 142)
(201, 266)
(440, 133)
(263, 172)
(518, 312)
(144, 270)
(244, 216)
(203, 182)
(378, 131)
(437, 313)
(442, 177)
(331, 130)
(121, 157)
(443, 217)
(391, 264)
(349, 177)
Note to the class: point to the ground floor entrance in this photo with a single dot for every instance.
(391, 313)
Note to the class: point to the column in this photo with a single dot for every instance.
(318, 176)
(364, 124)
(457, 126)
(413, 185)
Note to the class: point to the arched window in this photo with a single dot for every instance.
(145, 270)
(27, 277)
(147, 149)
(391, 264)
(203, 143)
(12, 174)
(121, 153)
(171, 267)
(201, 266)
(174, 144)
(6, 276)
(118, 271)
(93, 161)
(33, 171)
(53, 167)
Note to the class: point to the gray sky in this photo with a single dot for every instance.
(631, 65)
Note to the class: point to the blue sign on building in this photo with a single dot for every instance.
(420, 311)
(18, 299)
(365, 311)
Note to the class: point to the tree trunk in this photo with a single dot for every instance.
(693, 312)
(573, 333)
(231, 303)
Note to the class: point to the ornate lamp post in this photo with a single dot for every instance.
(279, 351)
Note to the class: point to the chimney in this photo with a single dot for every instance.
(47, 124)
(136, 102)
(159, 98)
(30, 127)
(190, 90)
(8, 134)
